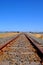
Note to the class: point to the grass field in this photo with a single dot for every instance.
(3, 35)
(38, 36)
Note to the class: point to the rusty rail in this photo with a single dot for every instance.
(37, 46)
(32, 41)
(5, 44)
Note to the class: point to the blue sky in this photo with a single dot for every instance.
(21, 15)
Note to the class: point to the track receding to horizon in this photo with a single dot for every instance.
(19, 52)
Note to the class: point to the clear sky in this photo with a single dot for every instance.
(21, 15)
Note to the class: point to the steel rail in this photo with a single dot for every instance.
(32, 41)
(5, 44)
(37, 46)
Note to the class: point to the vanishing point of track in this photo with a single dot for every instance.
(20, 51)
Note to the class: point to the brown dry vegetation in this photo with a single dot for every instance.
(38, 36)
(7, 34)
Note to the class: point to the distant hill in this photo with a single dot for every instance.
(9, 31)
(36, 32)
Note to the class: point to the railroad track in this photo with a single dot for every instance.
(19, 51)
(38, 46)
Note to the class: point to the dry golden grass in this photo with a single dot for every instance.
(38, 36)
(7, 34)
